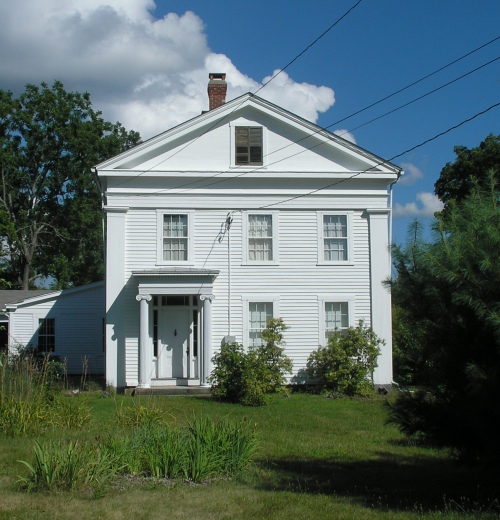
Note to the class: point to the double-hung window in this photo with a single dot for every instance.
(335, 238)
(336, 317)
(175, 237)
(248, 145)
(260, 238)
(46, 335)
(258, 314)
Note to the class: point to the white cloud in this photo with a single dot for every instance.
(148, 73)
(345, 134)
(412, 174)
(429, 204)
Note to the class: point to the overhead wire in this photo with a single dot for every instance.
(258, 90)
(305, 149)
(419, 145)
(322, 129)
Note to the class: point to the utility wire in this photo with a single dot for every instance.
(321, 143)
(388, 160)
(360, 126)
(375, 103)
(426, 94)
(258, 90)
(324, 33)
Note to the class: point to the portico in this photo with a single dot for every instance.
(175, 333)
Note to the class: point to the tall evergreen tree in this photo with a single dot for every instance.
(450, 288)
(50, 207)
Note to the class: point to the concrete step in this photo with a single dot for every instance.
(172, 390)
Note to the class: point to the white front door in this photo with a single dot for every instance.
(174, 344)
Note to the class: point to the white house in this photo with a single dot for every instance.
(245, 212)
(67, 325)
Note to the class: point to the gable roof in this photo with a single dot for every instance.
(231, 110)
(13, 296)
(10, 300)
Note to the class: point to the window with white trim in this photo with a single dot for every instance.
(335, 238)
(258, 315)
(248, 145)
(336, 317)
(175, 245)
(46, 335)
(260, 238)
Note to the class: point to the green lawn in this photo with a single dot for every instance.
(318, 458)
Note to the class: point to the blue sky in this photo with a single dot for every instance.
(145, 64)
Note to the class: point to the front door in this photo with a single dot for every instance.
(174, 335)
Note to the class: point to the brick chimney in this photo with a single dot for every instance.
(217, 88)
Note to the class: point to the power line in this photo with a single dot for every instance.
(321, 129)
(258, 90)
(426, 94)
(310, 45)
(190, 183)
(386, 161)
(385, 98)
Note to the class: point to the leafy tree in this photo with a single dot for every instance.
(450, 287)
(50, 208)
(458, 179)
(347, 363)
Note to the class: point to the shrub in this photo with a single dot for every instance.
(249, 377)
(346, 365)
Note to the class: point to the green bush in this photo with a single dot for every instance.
(346, 365)
(249, 377)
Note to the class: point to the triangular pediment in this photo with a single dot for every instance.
(205, 145)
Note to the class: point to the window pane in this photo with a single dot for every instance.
(248, 145)
(335, 238)
(175, 225)
(336, 317)
(334, 226)
(175, 238)
(46, 335)
(258, 314)
(335, 250)
(260, 242)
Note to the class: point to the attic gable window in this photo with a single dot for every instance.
(248, 141)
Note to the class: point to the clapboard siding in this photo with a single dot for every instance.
(296, 279)
(78, 314)
(306, 171)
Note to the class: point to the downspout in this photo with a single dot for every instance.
(400, 172)
(229, 280)
(229, 221)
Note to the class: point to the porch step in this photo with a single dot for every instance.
(173, 390)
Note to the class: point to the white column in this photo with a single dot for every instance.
(381, 315)
(206, 368)
(116, 218)
(144, 347)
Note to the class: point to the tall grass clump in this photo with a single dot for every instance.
(23, 395)
(65, 466)
(139, 414)
(222, 447)
(31, 398)
(202, 450)
(206, 448)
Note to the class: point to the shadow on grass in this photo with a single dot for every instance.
(391, 483)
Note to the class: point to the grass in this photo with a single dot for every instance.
(317, 458)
